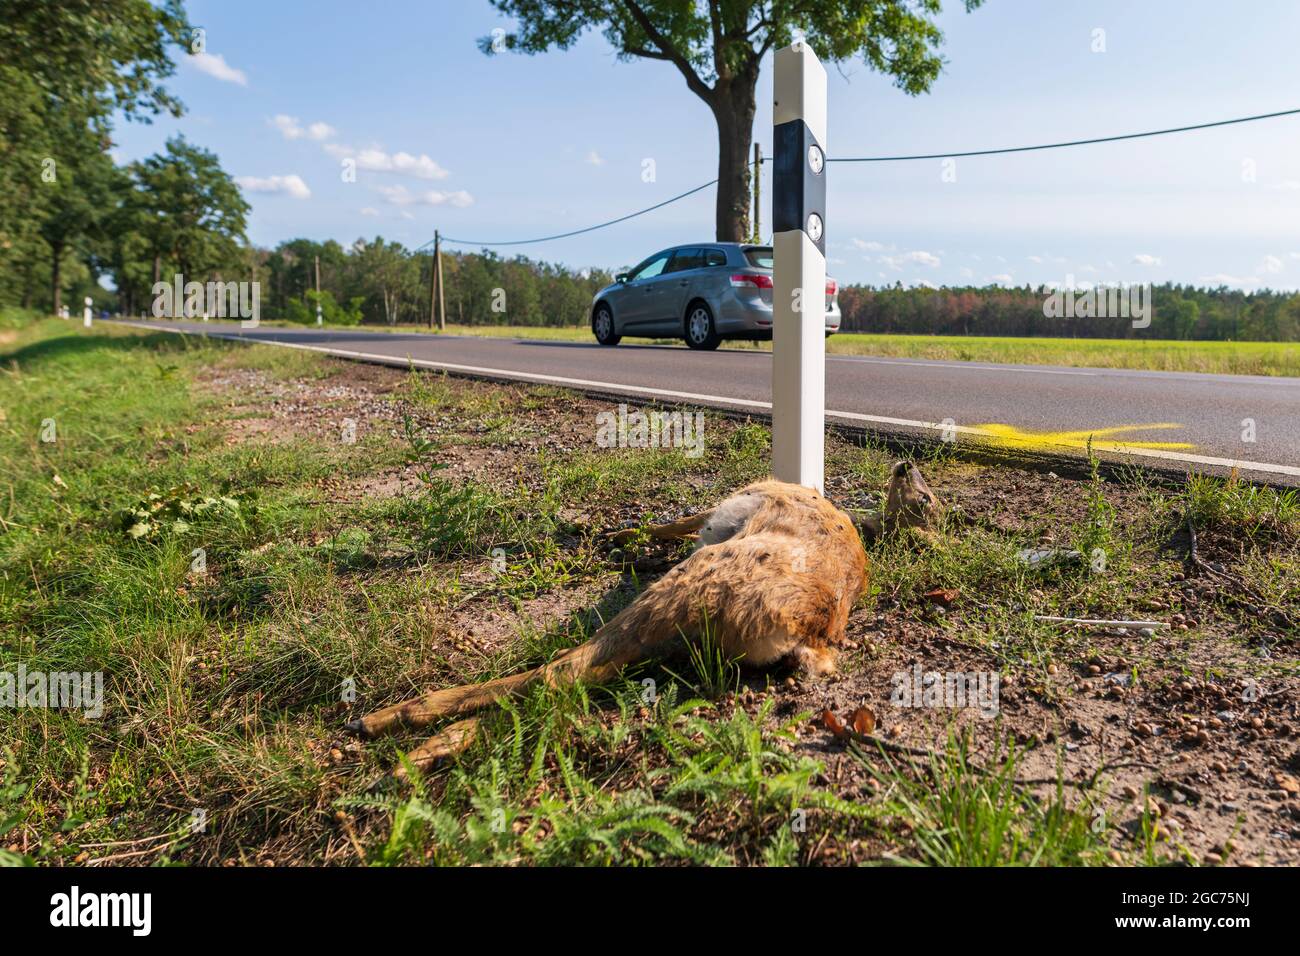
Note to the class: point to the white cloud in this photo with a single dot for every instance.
(1144, 259)
(369, 211)
(1002, 278)
(867, 246)
(917, 257)
(401, 196)
(215, 65)
(1271, 264)
(1220, 278)
(377, 160)
(291, 185)
(967, 272)
(291, 128)
(595, 159)
(1037, 260)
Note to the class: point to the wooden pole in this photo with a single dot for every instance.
(437, 300)
(442, 284)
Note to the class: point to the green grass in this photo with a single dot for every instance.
(227, 685)
(964, 814)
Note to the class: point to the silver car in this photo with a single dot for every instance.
(703, 293)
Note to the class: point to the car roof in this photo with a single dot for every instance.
(715, 245)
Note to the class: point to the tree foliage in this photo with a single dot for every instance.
(717, 46)
(65, 68)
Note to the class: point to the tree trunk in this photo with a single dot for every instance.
(733, 110)
(56, 276)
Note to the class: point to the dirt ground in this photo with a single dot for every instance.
(1197, 724)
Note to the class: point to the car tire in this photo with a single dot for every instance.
(602, 325)
(699, 329)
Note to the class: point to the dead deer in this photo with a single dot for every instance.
(776, 572)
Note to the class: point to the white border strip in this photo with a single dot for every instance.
(1255, 466)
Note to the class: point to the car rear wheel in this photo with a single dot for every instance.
(700, 333)
(602, 324)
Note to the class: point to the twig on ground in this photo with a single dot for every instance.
(125, 856)
(1099, 622)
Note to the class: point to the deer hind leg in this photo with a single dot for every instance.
(577, 663)
(658, 617)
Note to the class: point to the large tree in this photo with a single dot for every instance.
(83, 189)
(65, 67)
(718, 45)
(191, 211)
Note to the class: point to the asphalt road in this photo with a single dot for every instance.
(1169, 420)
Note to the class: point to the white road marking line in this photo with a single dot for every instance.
(1255, 466)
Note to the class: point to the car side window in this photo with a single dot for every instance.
(651, 268)
(714, 257)
(684, 259)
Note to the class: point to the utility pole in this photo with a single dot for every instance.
(799, 267)
(433, 282)
(438, 307)
(758, 192)
(319, 321)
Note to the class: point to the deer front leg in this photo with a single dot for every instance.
(673, 531)
(454, 739)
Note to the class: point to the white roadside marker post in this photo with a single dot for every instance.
(85, 316)
(799, 269)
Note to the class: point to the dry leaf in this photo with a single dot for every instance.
(863, 721)
(833, 724)
(945, 597)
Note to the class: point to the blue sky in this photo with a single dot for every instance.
(511, 146)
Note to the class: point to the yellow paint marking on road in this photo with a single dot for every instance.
(1100, 437)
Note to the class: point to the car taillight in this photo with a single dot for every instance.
(754, 281)
(831, 287)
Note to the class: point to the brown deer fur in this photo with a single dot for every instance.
(774, 578)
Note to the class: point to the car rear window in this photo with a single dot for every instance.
(760, 256)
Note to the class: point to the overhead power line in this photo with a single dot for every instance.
(578, 232)
(886, 159)
(1073, 142)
